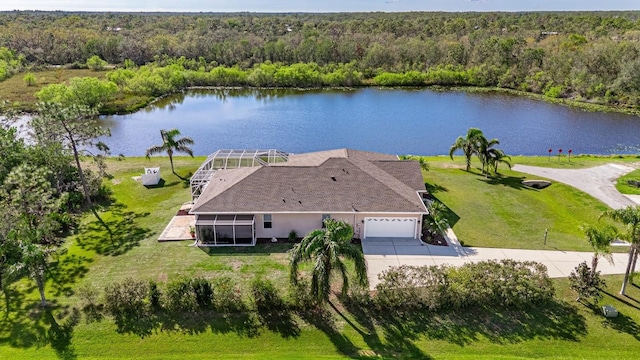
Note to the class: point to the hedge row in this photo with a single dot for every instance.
(505, 283)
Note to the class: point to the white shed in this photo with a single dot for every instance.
(151, 176)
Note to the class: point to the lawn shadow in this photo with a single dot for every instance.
(280, 320)
(257, 250)
(59, 335)
(622, 323)
(513, 182)
(622, 300)
(127, 234)
(243, 323)
(21, 325)
(64, 273)
(162, 184)
(323, 320)
(396, 344)
(555, 321)
(30, 325)
(435, 188)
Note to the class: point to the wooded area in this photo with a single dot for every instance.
(590, 57)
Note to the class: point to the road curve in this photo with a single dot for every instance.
(596, 181)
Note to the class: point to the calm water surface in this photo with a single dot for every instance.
(392, 121)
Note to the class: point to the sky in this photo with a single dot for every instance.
(319, 5)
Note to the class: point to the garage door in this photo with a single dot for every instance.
(389, 227)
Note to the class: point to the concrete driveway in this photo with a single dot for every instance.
(597, 181)
(383, 253)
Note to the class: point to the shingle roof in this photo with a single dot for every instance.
(340, 180)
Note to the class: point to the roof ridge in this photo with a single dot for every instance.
(407, 194)
(234, 181)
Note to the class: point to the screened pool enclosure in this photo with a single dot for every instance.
(228, 229)
(232, 159)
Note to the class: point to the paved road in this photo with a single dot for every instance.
(596, 181)
(383, 253)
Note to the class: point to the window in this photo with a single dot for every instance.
(325, 217)
(266, 219)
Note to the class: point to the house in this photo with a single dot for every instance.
(241, 195)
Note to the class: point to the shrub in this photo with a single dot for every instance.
(293, 236)
(554, 91)
(358, 296)
(586, 283)
(410, 78)
(180, 296)
(266, 297)
(227, 297)
(298, 75)
(95, 63)
(505, 283)
(413, 288)
(203, 292)
(127, 300)
(89, 303)
(29, 79)
(301, 296)
(155, 296)
(223, 76)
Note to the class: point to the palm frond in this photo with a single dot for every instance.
(156, 149)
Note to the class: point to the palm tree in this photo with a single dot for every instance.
(600, 240)
(495, 157)
(483, 151)
(424, 165)
(630, 216)
(436, 221)
(468, 144)
(325, 248)
(170, 145)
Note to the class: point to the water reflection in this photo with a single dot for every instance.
(414, 121)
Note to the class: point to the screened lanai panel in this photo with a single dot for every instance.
(224, 229)
(245, 219)
(232, 159)
(224, 234)
(244, 234)
(205, 234)
(225, 219)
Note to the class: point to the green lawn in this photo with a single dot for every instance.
(562, 330)
(577, 161)
(623, 183)
(501, 212)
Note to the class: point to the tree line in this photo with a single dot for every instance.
(44, 187)
(584, 56)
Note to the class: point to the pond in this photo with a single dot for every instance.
(396, 121)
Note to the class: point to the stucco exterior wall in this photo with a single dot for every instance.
(303, 223)
(282, 224)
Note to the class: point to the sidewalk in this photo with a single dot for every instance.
(382, 254)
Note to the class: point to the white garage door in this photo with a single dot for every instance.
(389, 227)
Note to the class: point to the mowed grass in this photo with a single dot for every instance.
(564, 329)
(576, 161)
(501, 212)
(625, 183)
(140, 214)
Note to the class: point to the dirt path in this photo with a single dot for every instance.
(596, 181)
